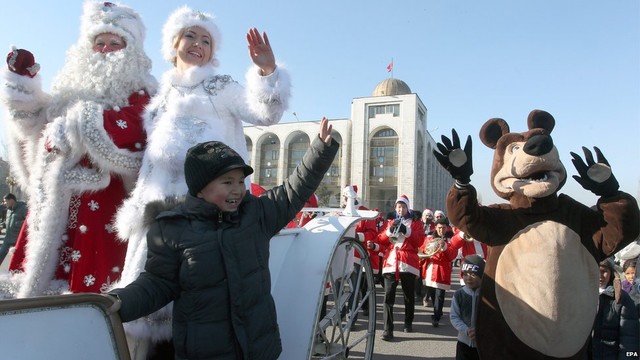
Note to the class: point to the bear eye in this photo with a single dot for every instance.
(515, 148)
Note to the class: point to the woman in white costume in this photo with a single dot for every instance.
(194, 104)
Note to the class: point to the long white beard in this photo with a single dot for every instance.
(106, 78)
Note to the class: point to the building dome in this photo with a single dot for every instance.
(390, 87)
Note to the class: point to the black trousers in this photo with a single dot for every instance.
(466, 352)
(407, 281)
(438, 301)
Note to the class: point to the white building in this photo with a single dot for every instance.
(386, 151)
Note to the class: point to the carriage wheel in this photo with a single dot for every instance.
(338, 333)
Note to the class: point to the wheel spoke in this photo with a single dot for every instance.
(350, 288)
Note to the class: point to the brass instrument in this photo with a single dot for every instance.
(435, 246)
(393, 236)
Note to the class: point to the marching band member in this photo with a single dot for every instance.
(439, 253)
(401, 238)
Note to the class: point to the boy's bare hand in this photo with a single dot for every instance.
(325, 131)
(471, 332)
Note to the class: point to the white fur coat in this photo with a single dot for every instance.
(191, 108)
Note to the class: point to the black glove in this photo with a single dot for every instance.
(398, 226)
(456, 161)
(394, 227)
(22, 62)
(595, 177)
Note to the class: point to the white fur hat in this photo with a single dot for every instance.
(183, 18)
(108, 17)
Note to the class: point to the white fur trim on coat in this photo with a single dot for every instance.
(191, 107)
(25, 103)
(266, 91)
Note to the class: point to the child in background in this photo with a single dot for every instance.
(615, 330)
(629, 270)
(463, 307)
(210, 254)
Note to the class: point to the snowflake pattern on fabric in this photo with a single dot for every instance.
(93, 205)
(109, 228)
(75, 256)
(89, 280)
(121, 124)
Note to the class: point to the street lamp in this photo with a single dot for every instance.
(11, 182)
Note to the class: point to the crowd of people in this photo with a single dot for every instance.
(125, 177)
(104, 151)
(418, 250)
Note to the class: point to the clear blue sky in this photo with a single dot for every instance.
(468, 61)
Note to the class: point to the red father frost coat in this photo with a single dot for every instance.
(91, 257)
(403, 255)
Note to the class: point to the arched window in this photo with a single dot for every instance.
(249, 144)
(383, 169)
(297, 147)
(384, 158)
(269, 155)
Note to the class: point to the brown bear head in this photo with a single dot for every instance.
(526, 165)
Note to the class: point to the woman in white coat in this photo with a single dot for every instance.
(194, 104)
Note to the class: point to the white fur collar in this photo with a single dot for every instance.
(191, 76)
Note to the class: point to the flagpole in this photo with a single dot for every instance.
(392, 68)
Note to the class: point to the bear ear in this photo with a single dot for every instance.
(492, 131)
(541, 119)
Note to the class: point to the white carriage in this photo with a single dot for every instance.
(315, 285)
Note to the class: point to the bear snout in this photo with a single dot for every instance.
(538, 145)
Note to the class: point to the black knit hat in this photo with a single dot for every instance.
(473, 263)
(443, 221)
(209, 160)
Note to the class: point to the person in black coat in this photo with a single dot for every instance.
(616, 330)
(210, 255)
(15, 216)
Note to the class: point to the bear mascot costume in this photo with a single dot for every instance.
(539, 293)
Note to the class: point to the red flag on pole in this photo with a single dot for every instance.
(390, 66)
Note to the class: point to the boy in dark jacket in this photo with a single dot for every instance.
(210, 255)
(616, 330)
